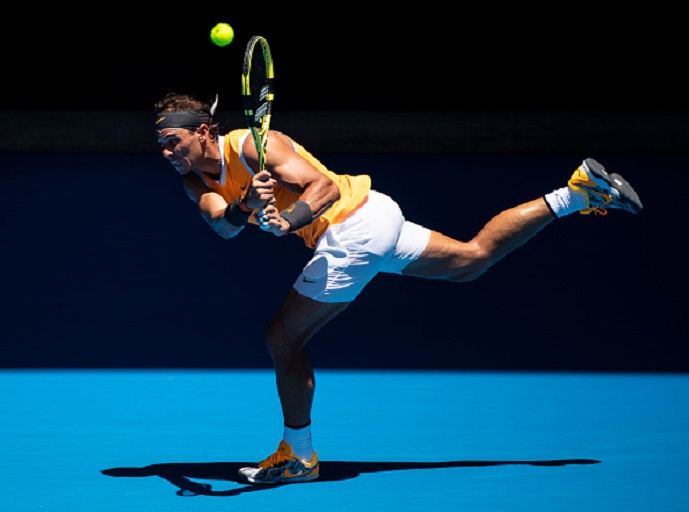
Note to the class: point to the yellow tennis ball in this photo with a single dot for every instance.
(222, 34)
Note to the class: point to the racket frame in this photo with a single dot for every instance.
(258, 117)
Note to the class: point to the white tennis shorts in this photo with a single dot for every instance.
(376, 238)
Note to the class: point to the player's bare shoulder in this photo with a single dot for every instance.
(281, 147)
(280, 138)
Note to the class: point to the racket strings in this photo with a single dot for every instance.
(258, 84)
(257, 89)
(259, 80)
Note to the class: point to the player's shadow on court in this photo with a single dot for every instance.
(180, 474)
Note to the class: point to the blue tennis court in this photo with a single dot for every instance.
(477, 441)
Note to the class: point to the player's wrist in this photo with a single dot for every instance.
(235, 215)
(297, 215)
(241, 203)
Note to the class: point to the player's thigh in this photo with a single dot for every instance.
(442, 258)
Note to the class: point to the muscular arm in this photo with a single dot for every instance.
(295, 173)
(211, 205)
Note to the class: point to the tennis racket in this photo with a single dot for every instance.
(257, 93)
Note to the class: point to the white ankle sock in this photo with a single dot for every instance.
(300, 441)
(564, 201)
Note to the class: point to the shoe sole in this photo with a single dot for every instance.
(627, 193)
(293, 480)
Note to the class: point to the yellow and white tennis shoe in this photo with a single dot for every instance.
(282, 467)
(603, 191)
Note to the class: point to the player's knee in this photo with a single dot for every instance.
(473, 263)
(279, 345)
(274, 341)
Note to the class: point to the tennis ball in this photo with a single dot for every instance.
(222, 34)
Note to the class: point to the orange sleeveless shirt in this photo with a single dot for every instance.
(237, 176)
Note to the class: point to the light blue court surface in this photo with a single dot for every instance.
(148, 441)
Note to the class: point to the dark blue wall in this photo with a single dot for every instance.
(106, 263)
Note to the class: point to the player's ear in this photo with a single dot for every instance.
(203, 132)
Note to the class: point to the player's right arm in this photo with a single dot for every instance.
(211, 205)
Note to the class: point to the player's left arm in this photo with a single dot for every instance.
(213, 207)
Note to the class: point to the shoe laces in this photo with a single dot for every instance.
(607, 199)
(282, 454)
(595, 210)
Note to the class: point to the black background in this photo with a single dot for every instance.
(349, 56)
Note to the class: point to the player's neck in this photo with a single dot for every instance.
(212, 161)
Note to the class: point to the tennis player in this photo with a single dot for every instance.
(355, 232)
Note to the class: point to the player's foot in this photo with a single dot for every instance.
(603, 191)
(282, 467)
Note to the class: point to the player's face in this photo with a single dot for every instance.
(180, 148)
